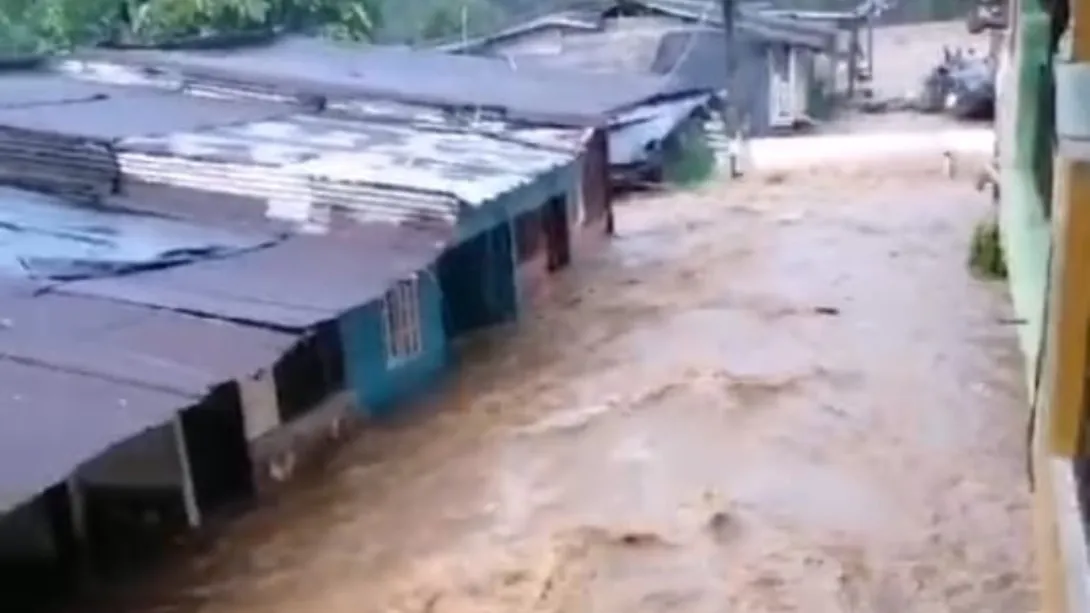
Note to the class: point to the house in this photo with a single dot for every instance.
(111, 409)
(785, 67)
(304, 70)
(213, 362)
(505, 198)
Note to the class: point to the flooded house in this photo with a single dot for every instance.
(251, 280)
(259, 340)
(121, 423)
(784, 68)
(209, 363)
(304, 70)
(511, 201)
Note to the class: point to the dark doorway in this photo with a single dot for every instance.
(558, 240)
(219, 458)
(477, 281)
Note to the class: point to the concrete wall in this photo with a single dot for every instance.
(753, 88)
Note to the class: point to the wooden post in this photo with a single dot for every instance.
(1060, 530)
(189, 493)
(1070, 332)
(79, 509)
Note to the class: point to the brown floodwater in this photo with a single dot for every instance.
(786, 394)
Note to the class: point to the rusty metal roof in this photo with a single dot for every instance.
(278, 280)
(304, 165)
(87, 364)
(78, 375)
(295, 284)
(377, 161)
(53, 421)
(56, 130)
(155, 348)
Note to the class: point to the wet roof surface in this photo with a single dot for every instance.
(105, 112)
(22, 88)
(294, 284)
(53, 421)
(86, 364)
(414, 75)
(44, 237)
(78, 375)
(291, 281)
(308, 154)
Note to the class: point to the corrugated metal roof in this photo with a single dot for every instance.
(273, 280)
(305, 165)
(87, 364)
(54, 421)
(628, 140)
(130, 112)
(297, 65)
(55, 130)
(28, 88)
(78, 375)
(46, 238)
(155, 348)
(754, 21)
(294, 284)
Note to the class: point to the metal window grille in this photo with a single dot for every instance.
(401, 322)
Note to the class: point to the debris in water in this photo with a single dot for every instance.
(640, 539)
(827, 310)
(790, 218)
(567, 421)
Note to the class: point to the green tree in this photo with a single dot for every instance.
(38, 25)
(449, 18)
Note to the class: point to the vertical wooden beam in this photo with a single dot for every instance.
(1080, 29)
(1053, 594)
(79, 509)
(1070, 332)
(1071, 280)
(189, 492)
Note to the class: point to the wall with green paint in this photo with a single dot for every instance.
(1024, 226)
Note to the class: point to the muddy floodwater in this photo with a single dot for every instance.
(781, 395)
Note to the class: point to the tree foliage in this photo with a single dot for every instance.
(28, 26)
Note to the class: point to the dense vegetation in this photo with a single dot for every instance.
(28, 26)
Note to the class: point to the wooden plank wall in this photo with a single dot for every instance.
(1063, 399)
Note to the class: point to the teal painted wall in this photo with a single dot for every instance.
(479, 276)
(478, 280)
(379, 388)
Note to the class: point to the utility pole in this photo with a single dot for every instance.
(730, 106)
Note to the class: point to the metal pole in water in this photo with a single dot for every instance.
(730, 110)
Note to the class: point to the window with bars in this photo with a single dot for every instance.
(401, 322)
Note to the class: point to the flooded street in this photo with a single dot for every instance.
(781, 395)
